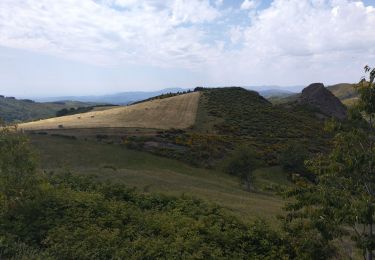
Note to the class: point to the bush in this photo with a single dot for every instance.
(293, 158)
(243, 163)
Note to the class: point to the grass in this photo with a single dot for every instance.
(346, 93)
(174, 112)
(343, 91)
(150, 173)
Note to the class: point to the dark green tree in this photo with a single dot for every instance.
(17, 165)
(243, 163)
(341, 203)
(293, 158)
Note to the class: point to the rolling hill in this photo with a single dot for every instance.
(345, 92)
(15, 110)
(174, 112)
(199, 128)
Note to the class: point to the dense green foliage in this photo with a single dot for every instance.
(240, 116)
(293, 157)
(246, 113)
(69, 217)
(197, 149)
(73, 111)
(342, 201)
(242, 163)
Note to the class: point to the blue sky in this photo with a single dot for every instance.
(84, 47)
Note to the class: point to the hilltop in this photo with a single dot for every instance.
(246, 113)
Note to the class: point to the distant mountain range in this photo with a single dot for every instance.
(276, 89)
(280, 93)
(125, 98)
(122, 98)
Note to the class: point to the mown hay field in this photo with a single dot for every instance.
(175, 112)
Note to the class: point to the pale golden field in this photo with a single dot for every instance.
(175, 112)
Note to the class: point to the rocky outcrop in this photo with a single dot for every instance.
(317, 96)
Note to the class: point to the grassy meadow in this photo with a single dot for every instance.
(153, 174)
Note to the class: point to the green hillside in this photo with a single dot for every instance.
(240, 112)
(15, 110)
(229, 117)
(226, 118)
(154, 174)
(52, 212)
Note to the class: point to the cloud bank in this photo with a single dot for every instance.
(287, 42)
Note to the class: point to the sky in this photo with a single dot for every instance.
(92, 47)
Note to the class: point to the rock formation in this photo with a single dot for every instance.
(316, 95)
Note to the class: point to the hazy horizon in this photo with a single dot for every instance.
(96, 47)
(47, 98)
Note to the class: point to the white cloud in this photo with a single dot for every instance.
(236, 34)
(302, 41)
(249, 4)
(93, 31)
(219, 2)
(194, 11)
(298, 28)
(289, 42)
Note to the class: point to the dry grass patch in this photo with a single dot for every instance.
(174, 112)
